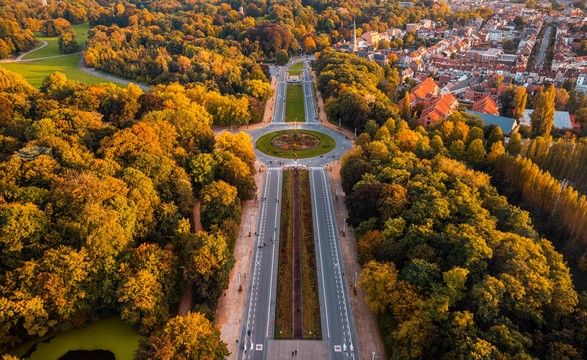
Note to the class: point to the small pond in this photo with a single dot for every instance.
(105, 339)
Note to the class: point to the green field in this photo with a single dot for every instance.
(52, 48)
(108, 334)
(296, 69)
(35, 71)
(294, 106)
(326, 144)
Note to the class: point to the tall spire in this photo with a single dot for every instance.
(354, 41)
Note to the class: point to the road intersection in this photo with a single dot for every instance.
(338, 329)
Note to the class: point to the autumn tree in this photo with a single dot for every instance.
(495, 136)
(513, 101)
(148, 287)
(219, 203)
(67, 42)
(191, 337)
(542, 118)
(514, 145)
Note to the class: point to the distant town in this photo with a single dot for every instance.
(473, 64)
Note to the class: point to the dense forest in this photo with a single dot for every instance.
(97, 185)
(356, 90)
(452, 270)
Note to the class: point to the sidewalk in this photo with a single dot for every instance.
(230, 306)
(267, 114)
(365, 323)
(322, 112)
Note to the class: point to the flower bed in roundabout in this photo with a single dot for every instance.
(292, 144)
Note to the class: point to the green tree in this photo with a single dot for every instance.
(495, 136)
(457, 150)
(514, 145)
(281, 57)
(202, 170)
(513, 101)
(67, 42)
(476, 152)
(219, 203)
(474, 134)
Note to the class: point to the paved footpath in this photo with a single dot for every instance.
(230, 306)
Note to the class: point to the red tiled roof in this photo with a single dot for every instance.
(438, 109)
(425, 88)
(486, 105)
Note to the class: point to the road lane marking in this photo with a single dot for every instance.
(334, 247)
(320, 251)
(250, 321)
(279, 179)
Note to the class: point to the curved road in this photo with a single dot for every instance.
(338, 331)
(81, 66)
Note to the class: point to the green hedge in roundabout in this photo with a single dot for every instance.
(291, 144)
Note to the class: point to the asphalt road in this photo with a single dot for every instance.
(309, 102)
(279, 108)
(543, 47)
(259, 315)
(335, 309)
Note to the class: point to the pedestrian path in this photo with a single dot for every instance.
(279, 168)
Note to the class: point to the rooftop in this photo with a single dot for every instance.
(506, 124)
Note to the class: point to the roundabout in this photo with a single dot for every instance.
(295, 144)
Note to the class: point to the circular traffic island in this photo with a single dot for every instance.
(295, 144)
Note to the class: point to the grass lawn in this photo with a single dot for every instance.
(326, 144)
(310, 298)
(296, 69)
(36, 71)
(108, 334)
(52, 47)
(294, 106)
(284, 303)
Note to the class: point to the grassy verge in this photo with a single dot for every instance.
(108, 334)
(52, 48)
(326, 144)
(311, 303)
(296, 69)
(36, 71)
(294, 106)
(284, 304)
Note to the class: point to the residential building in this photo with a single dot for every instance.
(562, 119)
(486, 105)
(438, 109)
